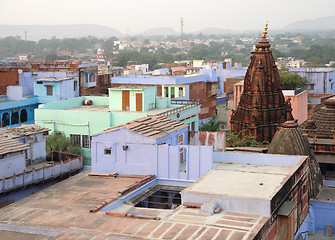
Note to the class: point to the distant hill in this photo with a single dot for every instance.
(37, 32)
(165, 31)
(215, 31)
(325, 23)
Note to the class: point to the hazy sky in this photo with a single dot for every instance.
(141, 15)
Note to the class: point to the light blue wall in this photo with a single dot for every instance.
(28, 78)
(175, 80)
(25, 104)
(321, 214)
(148, 158)
(331, 82)
(322, 78)
(161, 71)
(62, 90)
(223, 74)
(149, 98)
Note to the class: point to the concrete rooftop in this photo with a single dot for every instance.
(239, 184)
(62, 211)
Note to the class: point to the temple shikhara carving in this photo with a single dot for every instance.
(262, 107)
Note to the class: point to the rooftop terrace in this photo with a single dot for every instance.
(62, 211)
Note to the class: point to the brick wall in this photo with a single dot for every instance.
(8, 77)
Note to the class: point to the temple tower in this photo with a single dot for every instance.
(262, 107)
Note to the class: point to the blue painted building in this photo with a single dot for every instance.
(28, 78)
(202, 87)
(321, 213)
(319, 80)
(224, 71)
(56, 89)
(17, 107)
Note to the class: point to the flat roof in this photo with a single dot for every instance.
(89, 108)
(327, 193)
(63, 211)
(241, 184)
(130, 87)
(105, 108)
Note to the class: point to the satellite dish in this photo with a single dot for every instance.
(20, 71)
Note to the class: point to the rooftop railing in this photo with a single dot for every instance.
(187, 105)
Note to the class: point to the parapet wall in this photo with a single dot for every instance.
(38, 175)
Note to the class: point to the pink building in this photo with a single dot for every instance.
(298, 102)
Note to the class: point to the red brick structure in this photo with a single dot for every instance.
(262, 107)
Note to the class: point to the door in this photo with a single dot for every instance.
(138, 101)
(125, 101)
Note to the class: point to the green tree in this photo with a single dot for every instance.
(213, 125)
(291, 81)
(235, 140)
(61, 143)
(314, 61)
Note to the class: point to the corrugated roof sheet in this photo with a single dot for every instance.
(153, 126)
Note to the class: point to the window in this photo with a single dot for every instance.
(49, 90)
(39, 82)
(166, 91)
(180, 139)
(92, 78)
(192, 126)
(181, 91)
(108, 151)
(15, 117)
(75, 85)
(172, 92)
(310, 86)
(23, 116)
(75, 138)
(86, 142)
(5, 119)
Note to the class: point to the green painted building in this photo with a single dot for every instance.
(79, 120)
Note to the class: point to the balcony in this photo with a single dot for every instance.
(187, 105)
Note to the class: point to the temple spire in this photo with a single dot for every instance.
(262, 107)
(265, 29)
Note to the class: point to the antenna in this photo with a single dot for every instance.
(181, 30)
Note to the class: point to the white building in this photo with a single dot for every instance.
(31, 135)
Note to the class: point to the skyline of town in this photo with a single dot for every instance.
(153, 14)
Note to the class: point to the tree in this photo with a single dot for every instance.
(61, 143)
(235, 140)
(213, 125)
(314, 62)
(291, 81)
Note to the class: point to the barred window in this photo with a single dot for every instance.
(75, 138)
(86, 141)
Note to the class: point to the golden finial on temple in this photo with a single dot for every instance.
(266, 29)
